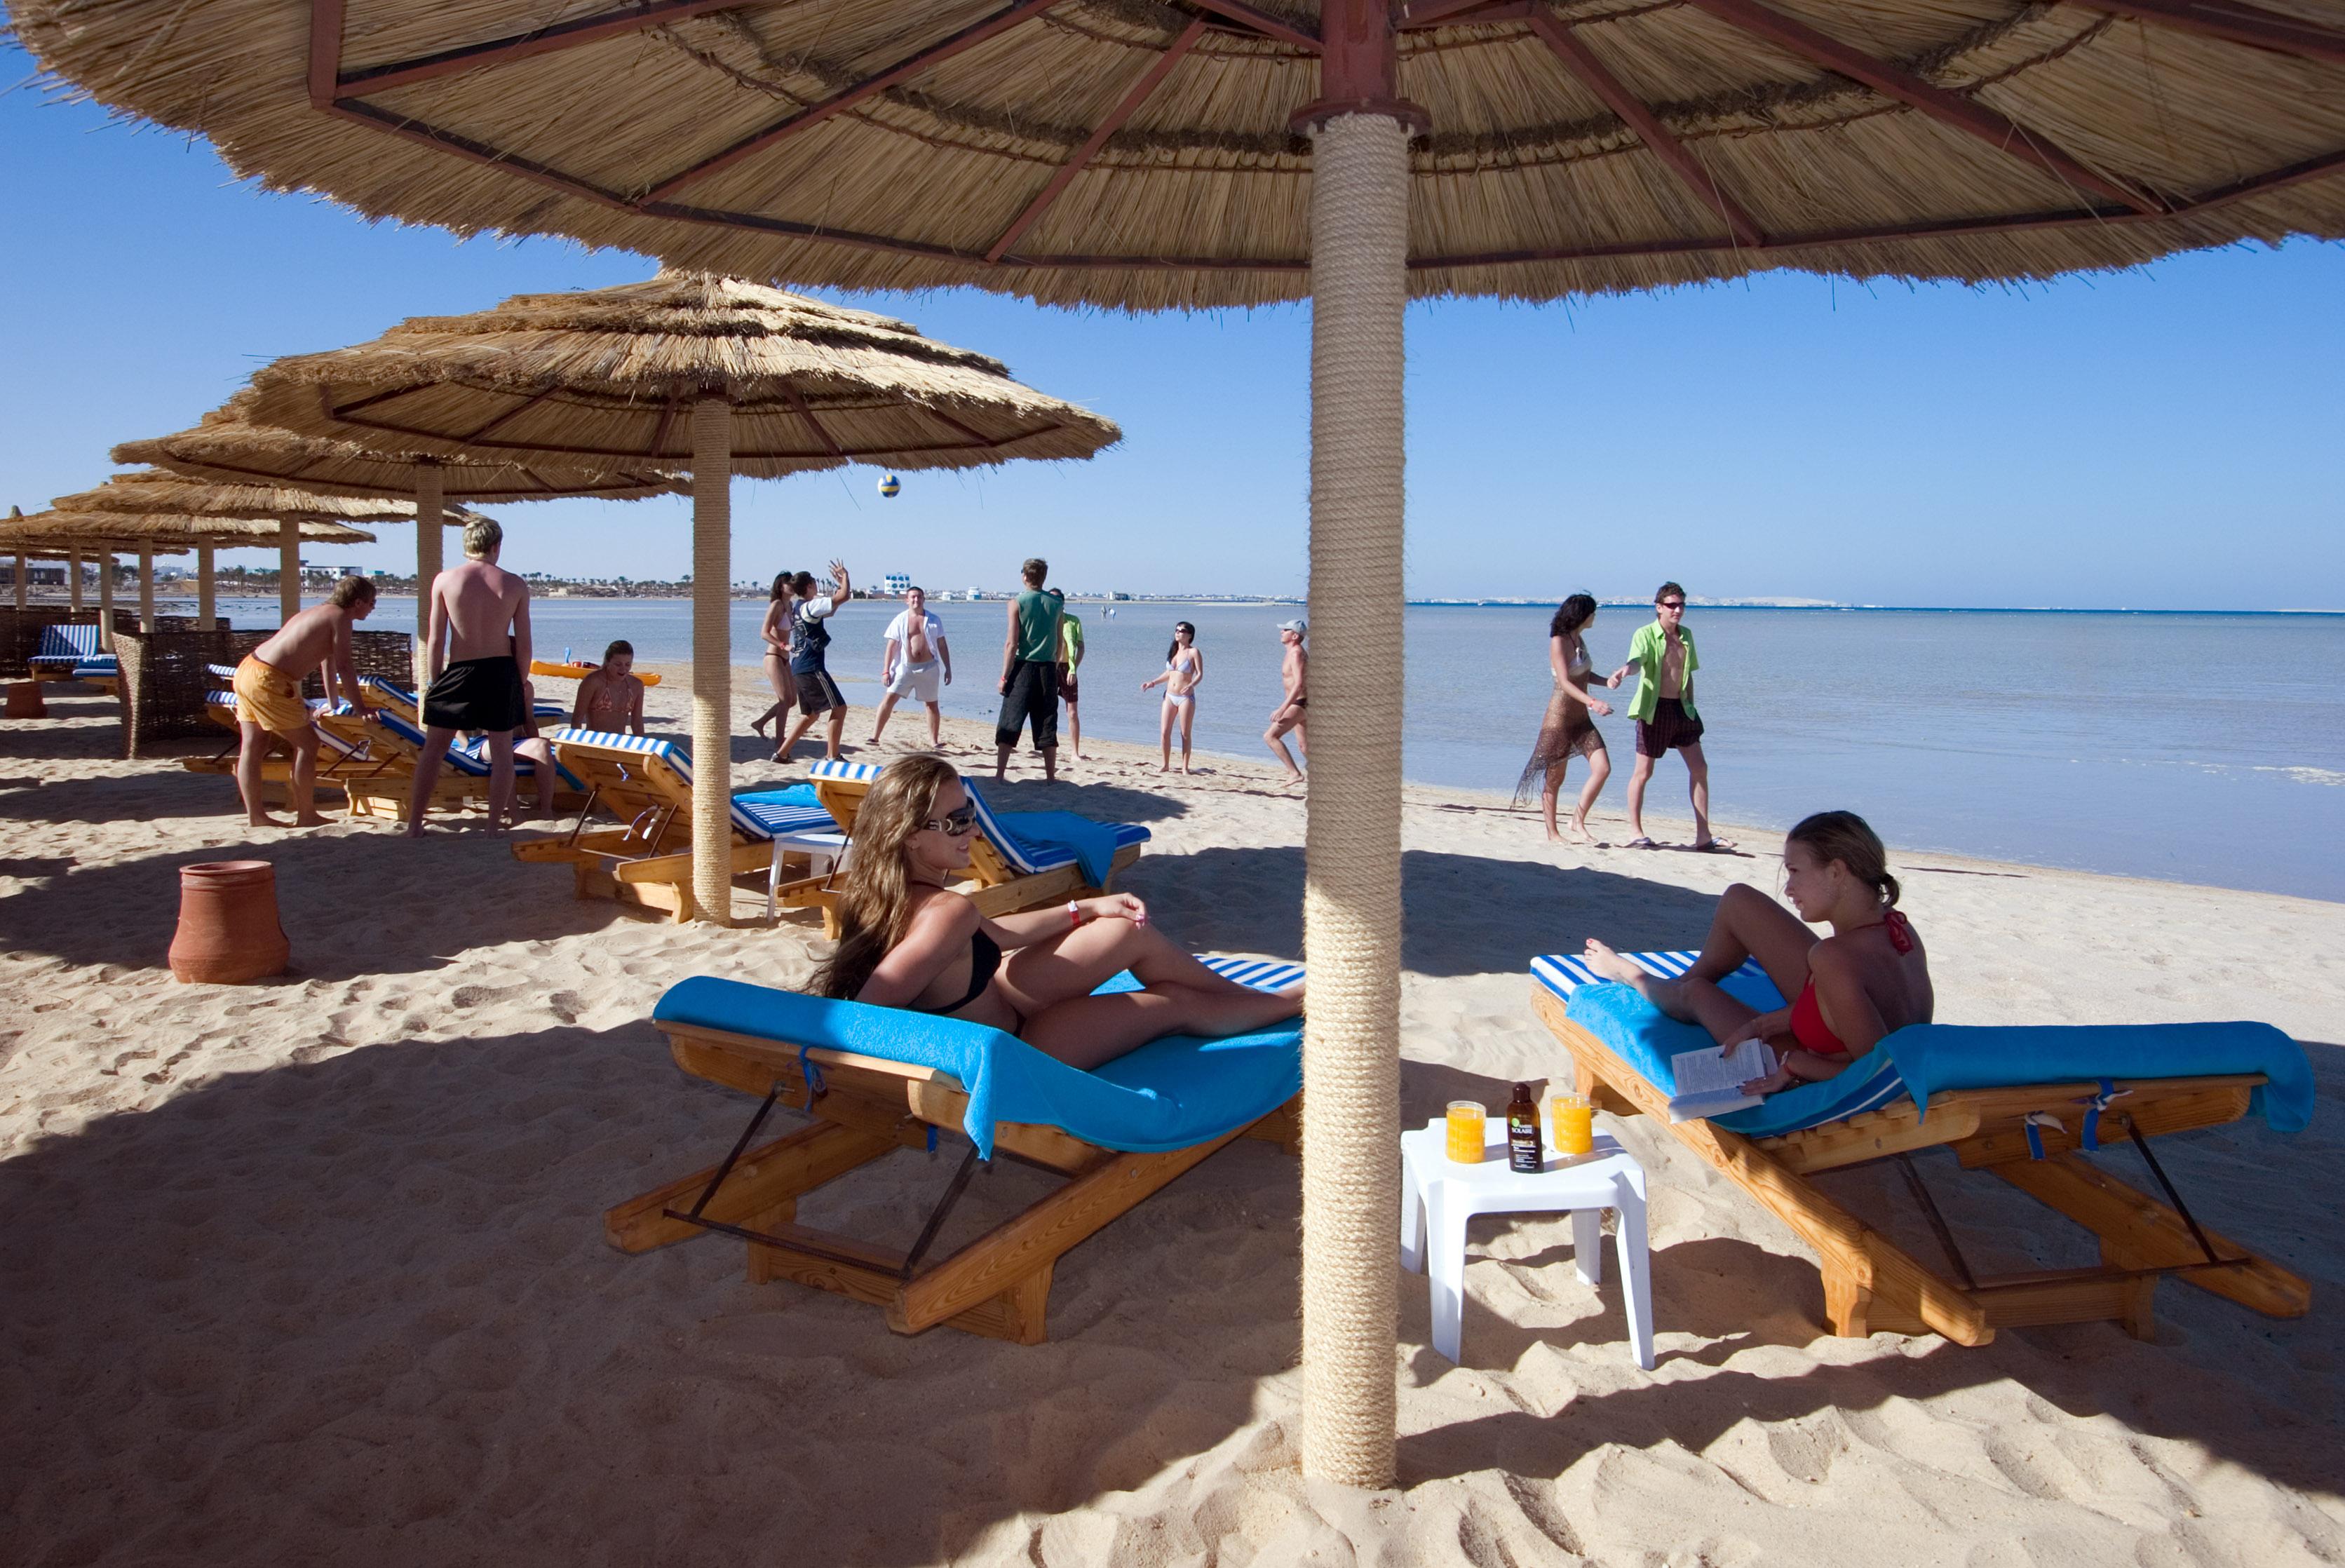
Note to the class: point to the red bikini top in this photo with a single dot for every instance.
(1808, 1026)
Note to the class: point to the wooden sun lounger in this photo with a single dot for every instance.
(994, 885)
(997, 1286)
(1874, 1286)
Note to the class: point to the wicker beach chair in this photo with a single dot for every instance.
(879, 1079)
(2024, 1104)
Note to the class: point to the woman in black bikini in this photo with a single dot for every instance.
(906, 941)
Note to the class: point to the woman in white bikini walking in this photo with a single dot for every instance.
(1184, 671)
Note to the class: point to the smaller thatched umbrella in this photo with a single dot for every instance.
(148, 493)
(74, 535)
(683, 370)
(229, 447)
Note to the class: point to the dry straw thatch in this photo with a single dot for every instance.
(151, 493)
(611, 375)
(1137, 153)
(174, 534)
(229, 448)
(55, 534)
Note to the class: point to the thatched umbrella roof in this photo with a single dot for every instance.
(56, 533)
(611, 374)
(175, 533)
(152, 493)
(1069, 151)
(228, 447)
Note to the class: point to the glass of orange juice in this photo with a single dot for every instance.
(1573, 1120)
(1466, 1119)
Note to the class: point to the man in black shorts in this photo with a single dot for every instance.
(1030, 673)
(1661, 653)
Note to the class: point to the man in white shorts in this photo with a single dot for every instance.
(917, 665)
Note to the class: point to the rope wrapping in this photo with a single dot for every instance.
(146, 590)
(106, 600)
(428, 545)
(207, 594)
(712, 658)
(289, 570)
(1350, 894)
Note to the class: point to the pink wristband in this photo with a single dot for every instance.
(1075, 915)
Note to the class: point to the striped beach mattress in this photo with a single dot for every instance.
(756, 820)
(1018, 857)
(69, 644)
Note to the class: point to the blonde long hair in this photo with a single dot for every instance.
(875, 905)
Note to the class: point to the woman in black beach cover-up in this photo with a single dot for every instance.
(1568, 730)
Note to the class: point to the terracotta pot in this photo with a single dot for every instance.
(25, 700)
(229, 931)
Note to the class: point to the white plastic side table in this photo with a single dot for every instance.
(824, 847)
(1438, 1195)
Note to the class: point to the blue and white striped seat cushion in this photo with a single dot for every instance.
(71, 643)
(1641, 1036)
(223, 673)
(844, 772)
(778, 821)
(745, 822)
(104, 666)
(1262, 974)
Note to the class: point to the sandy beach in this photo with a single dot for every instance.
(312, 1270)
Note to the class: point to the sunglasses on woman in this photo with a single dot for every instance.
(957, 824)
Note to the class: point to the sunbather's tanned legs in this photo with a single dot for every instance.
(253, 753)
(304, 791)
(1748, 925)
(1051, 983)
(436, 741)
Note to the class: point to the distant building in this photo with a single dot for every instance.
(898, 583)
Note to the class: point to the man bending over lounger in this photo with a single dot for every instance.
(1868, 979)
(904, 941)
(477, 628)
(269, 697)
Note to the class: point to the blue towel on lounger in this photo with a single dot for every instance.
(1169, 1093)
(1926, 1058)
(1039, 833)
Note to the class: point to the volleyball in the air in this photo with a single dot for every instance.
(890, 485)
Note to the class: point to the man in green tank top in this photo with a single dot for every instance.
(1029, 674)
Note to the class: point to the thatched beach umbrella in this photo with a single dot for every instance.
(1216, 152)
(77, 535)
(682, 371)
(228, 447)
(155, 493)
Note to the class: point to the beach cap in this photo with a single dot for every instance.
(1298, 628)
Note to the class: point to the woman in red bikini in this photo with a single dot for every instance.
(1868, 979)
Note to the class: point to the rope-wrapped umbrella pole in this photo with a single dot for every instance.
(146, 590)
(106, 599)
(712, 657)
(73, 577)
(207, 588)
(289, 570)
(22, 567)
(427, 564)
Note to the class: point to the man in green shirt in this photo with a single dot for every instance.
(1070, 654)
(1029, 674)
(1662, 655)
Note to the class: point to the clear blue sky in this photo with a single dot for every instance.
(2162, 439)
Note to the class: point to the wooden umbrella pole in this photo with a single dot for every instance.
(207, 599)
(73, 577)
(1351, 893)
(427, 564)
(106, 600)
(712, 658)
(289, 570)
(146, 591)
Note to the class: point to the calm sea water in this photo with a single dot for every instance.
(2202, 748)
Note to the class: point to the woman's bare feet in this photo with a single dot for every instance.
(759, 726)
(1582, 837)
(1605, 962)
(262, 819)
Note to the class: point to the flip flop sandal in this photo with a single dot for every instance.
(1640, 844)
(1715, 847)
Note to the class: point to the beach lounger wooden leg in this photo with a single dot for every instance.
(761, 1181)
(1283, 1126)
(2137, 1231)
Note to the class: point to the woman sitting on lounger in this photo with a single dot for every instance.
(1868, 979)
(905, 942)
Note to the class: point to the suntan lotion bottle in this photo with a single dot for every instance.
(1523, 1150)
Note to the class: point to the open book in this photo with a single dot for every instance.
(1709, 1081)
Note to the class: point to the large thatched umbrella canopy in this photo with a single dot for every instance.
(153, 493)
(70, 536)
(229, 447)
(681, 371)
(1157, 153)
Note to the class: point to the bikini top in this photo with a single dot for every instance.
(1184, 663)
(1808, 1026)
(984, 959)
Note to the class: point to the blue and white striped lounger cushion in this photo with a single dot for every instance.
(1922, 1059)
(745, 822)
(470, 757)
(844, 772)
(1171, 1094)
(67, 644)
(104, 666)
(223, 673)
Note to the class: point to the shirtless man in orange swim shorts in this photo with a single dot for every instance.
(269, 697)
